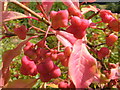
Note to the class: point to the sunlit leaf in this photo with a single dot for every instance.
(21, 83)
(11, 15)
(68, 3)
(82, 65)
(89, 8)
(52, 85)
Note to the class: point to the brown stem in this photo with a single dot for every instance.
(93, 15)
(30, 11)
(42, 10)
(37, 29)
(47, 32)
(103, 64)
(99, 44)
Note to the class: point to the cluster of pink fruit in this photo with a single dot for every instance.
(107, 17)
(41, 61)
(77, 27)
(107, 76)
(113, 24)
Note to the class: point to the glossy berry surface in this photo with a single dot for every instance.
(104, 51)
(111, 39)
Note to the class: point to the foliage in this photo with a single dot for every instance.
(69, 46)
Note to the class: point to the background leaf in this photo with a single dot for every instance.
(89, 8)
(21, 83)
(11, 15)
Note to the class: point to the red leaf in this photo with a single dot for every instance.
(82, 65)
(68, 3)
(11, 15)
(47, 4)
(21, 83)
(89, 8)
(8, 56)
(65, 38)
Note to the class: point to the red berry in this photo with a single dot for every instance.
(59, 19)
(106, 16)
(74, 11)
(115, 25)
(76, 21)
(41, 52)
(67, 51)
(45, 66)
(48, 54)
(78, 27)
(29, 45)
(64, 62)
(56, 72)
(103, 52)
(30, 53)
(111, 39)
(28, 66)
(41, 69)
(61, 56)
(54, 57)
(81, 23)
(63, 84)
(45, 77)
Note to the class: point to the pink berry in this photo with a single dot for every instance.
(67, 51)
(74, 11)
(45, 77)
(28, 66)
(59, 19)
(104, 51)
(111, 39)
(45, 66)
(115, 25)
(56, 72)
(63, 84)
(106, 16)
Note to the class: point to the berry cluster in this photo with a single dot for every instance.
(40, 60)
(107, 17)
(78, 27)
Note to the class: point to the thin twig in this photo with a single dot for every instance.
(30, 11)
(4, 37)
(42, 10)
(47, 32)
(93, 15)
(38, 29)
